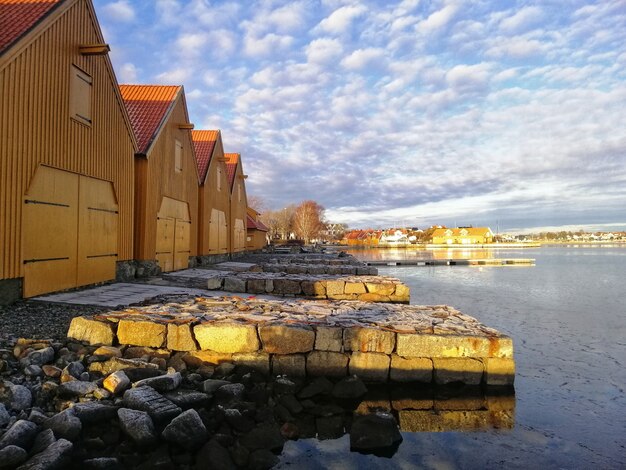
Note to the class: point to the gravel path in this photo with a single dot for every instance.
(32, 319)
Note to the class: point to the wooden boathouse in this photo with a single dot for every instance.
(256, 231)
(66, 151)
(166, 177)
(238, 203)
(213, 194)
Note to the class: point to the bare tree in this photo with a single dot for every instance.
(257, 203)
(308, 220)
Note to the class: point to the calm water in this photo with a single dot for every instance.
(567, 317)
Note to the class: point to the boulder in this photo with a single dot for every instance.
(76, 388)
(21, 434)
(55, 456)
(65, 425)
(11, 456)
(265, 436)
(91, 412)
(138, 426)
(186, 430)
(149, 400)
(117, 382)
(91, 331)
(349, 387)
(162, 383)
(374, 432)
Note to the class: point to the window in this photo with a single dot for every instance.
(219, 179)
(80, 96)
(178, 157)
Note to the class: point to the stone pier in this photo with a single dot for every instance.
(378, 342)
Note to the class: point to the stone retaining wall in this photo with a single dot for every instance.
(377, 343)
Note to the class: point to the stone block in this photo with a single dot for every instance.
(234, 284)
(313, 289)
(418, 369)
(91, 331)
(180, 338)
(292, 365)
(384, 289)
(257, 361)
(369, 340)
(335, 288)
(256, 286)
(287, 287)
(269, 285)
(428, 345)
(286, 339)
(499, 371)
(369, 297)
(463, 369)
(403, 291)
(334, 270)
(370, 366)
(227, 337)
(200, 358)
(141, 333)
(327, 364)
(215, 283)
(355, 288)
(328, 338)
(501, 347)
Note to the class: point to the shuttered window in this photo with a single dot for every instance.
(178, 157)
(80, 96)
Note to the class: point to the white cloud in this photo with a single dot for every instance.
(120, 11)
(516, 47)
(437, 20)
(468, 77)
(128, 73)
(362, 58)
(323, 50)
(263, 46)
(341, 19)
(521, 19)
(176, 76)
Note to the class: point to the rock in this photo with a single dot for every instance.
(227, 337)
(73, 369)
(262, 460)
(20, 397)
(51, 371)
(265, 436)
(145, 371)
(374, 432)
(117, 363)
(149, 400)
(39, 358)
(33, 370)
(234, 284)
(291, 364)
(11, 456)
(370, 366)
(318, 386)
(5, 417)
(239, 454)
(360, 339)
(349, 387)
(55, 456)
(290, 431)
(284, 385)
(102, 463)
(141, 333)
(329, 427)
(37, 417)
(117, 382)
(65, 425)
(286, 339)
(224, 369)
(211, 385)
(21, 434)
(187, 430)
(162, 383)
(188, 398)
(138, 426)
(237, 421)
(44, 439)
(230, 392)
(291, 403)
(75, 389)
(108, 351)
(93, 412)
(215, 456)
(91, 331)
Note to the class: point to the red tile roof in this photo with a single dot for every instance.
(256, 224)
(232, 159)
(204, 144)
(17, 17)
(148, 106)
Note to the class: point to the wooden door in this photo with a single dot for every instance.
(97, 231)
(173, 241)
(49, 231)
(214, 231)
(182, 243)
(223, 233)
(165, 242)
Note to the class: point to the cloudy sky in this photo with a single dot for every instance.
(401, 112)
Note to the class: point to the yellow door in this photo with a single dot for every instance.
(214, 231)
(173, 241)
(97, 231)
(49, 232)
(223, 233)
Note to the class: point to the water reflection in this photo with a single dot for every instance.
(395, 254)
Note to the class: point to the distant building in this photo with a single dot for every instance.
(462, 236)
(256, 237)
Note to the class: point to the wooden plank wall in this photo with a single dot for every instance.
(35, 128)
(157, 178)
(212, 239)
(238, 212)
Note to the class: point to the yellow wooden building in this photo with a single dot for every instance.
(462, 236)
(256, 236)
(66, 151)
(238, 203)
(166, 177)
(214, 193)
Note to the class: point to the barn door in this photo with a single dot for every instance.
(49, 232)
(223, 233)
(214, 231)
(173, 241)
(69, 231)
(97, 231)
(240, 235)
